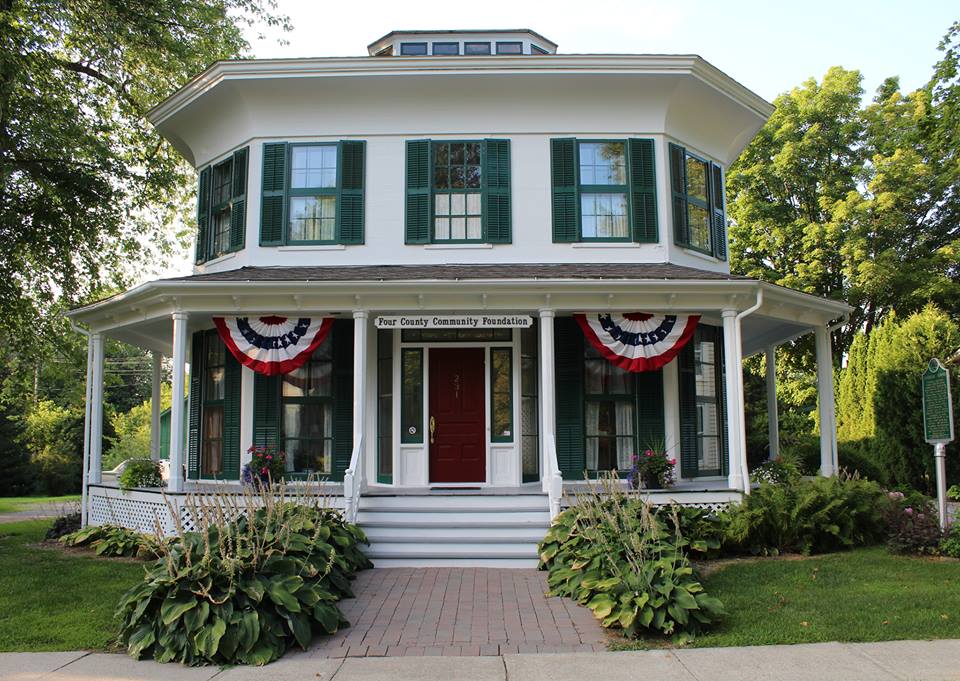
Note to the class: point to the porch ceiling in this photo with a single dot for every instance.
(141, 316)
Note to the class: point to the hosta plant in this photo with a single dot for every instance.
(110, 540)
(251, 583)
(617, 556)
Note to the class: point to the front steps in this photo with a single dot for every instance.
(454, 529)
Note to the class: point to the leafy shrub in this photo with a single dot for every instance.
(63, 525)
(808, 516)
(616, 555)
(244, 588)
(913, 523)
(778, 471)
(54, 437)
(953, 494)
(140, 473)
(110, 540)
(950, 544)
(703, 528)
(855, 457)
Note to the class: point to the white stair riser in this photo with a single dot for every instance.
(452, 550)
(502, 563)
(444, 534)
(490, 503)
(456, 518)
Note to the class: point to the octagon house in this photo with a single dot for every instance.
(451, 280)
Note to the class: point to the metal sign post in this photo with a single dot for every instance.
(938, 425)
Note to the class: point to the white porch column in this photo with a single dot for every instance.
(85, 474)
(773, 416)
(96, 411)
(828, 426)
(177, 458)
(155, 406)
(548, 397)
(360, 318)
(733, 381)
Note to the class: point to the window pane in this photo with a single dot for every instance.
(474, 228)
(309, 456)
(211, 460)
(602, 163)
(699, 220)
(603, 378)
(221, 189)
(446, 48)
(476, 48)
(221, 231)
(313, 218)
(313, 166)
(604, 216)
(441, 229)
(413, 49)
(510, 48)
(473, 203)
(411, 395)
(501, 378)
(306, 420)
(442, 204)
(215, 384)
(696, 179)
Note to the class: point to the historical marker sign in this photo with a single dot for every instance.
(937, 404)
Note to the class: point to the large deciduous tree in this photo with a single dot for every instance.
(87, 187)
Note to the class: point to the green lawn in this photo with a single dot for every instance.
(13, 504)
(52, 600)
(862, 595)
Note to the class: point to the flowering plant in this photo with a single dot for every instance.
(913, 524)
(652, 469)
(267, 464)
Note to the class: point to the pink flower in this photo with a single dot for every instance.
(263, 471)
(649, 452)
(269, 457)
(672, 462)
(908, 510)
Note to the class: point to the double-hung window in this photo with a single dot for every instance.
(609, 411)
(221, 207)
(604, 190)
(313, 193)
(458, 192)
(696, 188)
(307, 413)
(213, 440)
(214, 374)
(702, 406)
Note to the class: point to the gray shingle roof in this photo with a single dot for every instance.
(628, 271)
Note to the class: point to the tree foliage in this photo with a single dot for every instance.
(88, 189)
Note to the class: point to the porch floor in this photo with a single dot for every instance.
(458, 611)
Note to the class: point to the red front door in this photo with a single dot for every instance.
(457, 415)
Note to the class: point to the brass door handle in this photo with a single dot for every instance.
(433, 427)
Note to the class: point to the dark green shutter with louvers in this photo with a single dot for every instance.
(689, 468)
(231, 415)
(649, 400)
(273, 185)
(350, 193)
(342, 396)
(196, 402)
(417, 214)
(718, 218)
(497, 211)
(643, 191)
(678, 184)
(238, 203)
(203, 215)
(563, 176)
(266, 410)
(568, 354)
(721, 390)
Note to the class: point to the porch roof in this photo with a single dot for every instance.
(141, 316)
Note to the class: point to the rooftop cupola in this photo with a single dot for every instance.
(470, 43)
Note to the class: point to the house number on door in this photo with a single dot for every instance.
(456, 386)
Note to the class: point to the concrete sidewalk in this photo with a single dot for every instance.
(890, 661)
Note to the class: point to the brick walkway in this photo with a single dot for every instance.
(458, 611)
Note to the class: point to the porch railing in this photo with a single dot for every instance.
(351, 483)
(555, 478)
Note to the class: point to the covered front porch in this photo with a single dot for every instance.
(518, 405)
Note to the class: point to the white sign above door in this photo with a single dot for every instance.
(471, 321)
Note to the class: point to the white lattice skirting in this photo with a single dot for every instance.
(144, 510)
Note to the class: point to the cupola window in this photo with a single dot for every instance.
(510, 48)
(413, 49)
(476, 48)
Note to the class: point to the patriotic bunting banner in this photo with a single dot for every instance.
(638, 342)
(272, 345)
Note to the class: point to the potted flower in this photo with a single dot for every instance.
(652, 469)
(267, 464)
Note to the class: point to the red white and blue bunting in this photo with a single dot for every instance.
(638, 342)
(273, 345)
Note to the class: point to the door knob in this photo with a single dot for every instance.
(433, 427)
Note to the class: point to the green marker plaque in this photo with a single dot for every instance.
(937, 404)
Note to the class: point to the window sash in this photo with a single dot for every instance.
(586, 188)
(411, 395)
(291, 192)
(221, 187)
(501, 396)
(712, 204)
(468, 215)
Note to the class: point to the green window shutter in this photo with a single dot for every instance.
(196, 402)
(231, 416)
(718, 217)
(350, 192)
(648, 387)
(568, 354)
(417, 214)
(342, 396)
(203, 215)
(689, 468)
(563, 175)
(238, 209)
(678, 193)
(497, 210)
(643, 191)
(273, 198)
(721, 390)
(266, 410)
